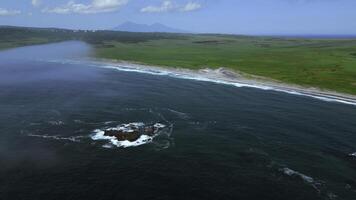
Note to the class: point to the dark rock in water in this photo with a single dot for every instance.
(133, 131)
(122, 135)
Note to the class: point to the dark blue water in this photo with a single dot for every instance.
(226, 142)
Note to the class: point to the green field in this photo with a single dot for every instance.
(327, 64)
(11, 37)
(30, 41)
(323, 63)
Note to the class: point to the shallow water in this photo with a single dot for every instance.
(226, 142)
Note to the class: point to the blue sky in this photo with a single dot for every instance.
(219, 16)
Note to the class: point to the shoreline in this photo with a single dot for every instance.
(228, 77)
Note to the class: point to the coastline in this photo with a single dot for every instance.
(228, 77)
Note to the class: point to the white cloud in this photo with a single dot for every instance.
(36, 2)
(191, 6)
(164, 7)
(168, 5)
(5, 12)
(96, 6)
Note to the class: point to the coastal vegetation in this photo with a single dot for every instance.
(319, 62)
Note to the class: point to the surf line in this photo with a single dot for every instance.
(198, 77)
(300, 92)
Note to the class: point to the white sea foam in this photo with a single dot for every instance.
(55, 137)
(353, 154)
(99, 135)
(109, 122)
(318, 185)
(127, 127)
(108, 146)
(197, 77)
(291, 172)
(159, 125)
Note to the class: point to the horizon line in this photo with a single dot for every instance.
(289, 35)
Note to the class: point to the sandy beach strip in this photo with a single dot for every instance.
(228, 77)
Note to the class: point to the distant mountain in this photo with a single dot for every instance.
(157, 27)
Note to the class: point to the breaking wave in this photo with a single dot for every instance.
(196, 77)
(352, 154)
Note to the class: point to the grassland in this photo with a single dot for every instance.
(326, 64)
(323, 63)
(11, 37)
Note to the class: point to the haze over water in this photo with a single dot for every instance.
(226, 142)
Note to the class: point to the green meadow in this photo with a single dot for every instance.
(327, 64)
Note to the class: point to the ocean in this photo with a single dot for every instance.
(218, 142)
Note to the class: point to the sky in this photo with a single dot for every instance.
(252, 17)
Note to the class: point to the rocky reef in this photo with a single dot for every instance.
(131, 134)
(133, 131)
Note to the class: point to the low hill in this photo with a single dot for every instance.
(157, 27)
